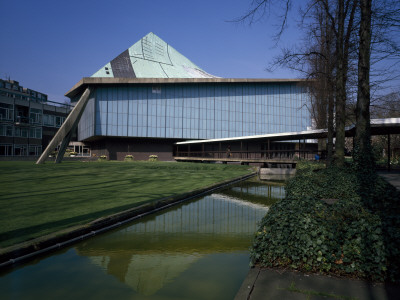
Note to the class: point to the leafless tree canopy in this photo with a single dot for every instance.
(345, 43)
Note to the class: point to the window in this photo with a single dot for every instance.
(48, 120)
(21, 132)
(35, 132)
(35, 116)
(6, 111)
(35, 150)
(6, 150)
(58, 121)
(20, 150)
(6, 130)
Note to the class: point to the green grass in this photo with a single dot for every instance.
(36, 200)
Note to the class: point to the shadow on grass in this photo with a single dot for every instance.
(69, 189)
(23, 234)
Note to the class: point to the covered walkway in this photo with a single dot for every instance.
(276, 148)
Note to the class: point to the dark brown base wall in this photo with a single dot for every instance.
(140, 148)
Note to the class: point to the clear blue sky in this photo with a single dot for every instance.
(50, 45)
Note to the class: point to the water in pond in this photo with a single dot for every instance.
(195, 250)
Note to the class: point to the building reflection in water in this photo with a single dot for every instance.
(157, 249)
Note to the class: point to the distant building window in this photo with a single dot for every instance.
(35, 116)
(20, 150)
(6, 150)
(35, 150)
(35, 132)
(59, 121)
(6, 130)
(21, 132)
(48, 120)
(8, 85)
(6, 112)
(156, 90)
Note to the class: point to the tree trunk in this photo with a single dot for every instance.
(363, 153)
(340, 88)
(330, 130)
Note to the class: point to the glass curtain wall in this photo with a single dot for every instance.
(197, 111)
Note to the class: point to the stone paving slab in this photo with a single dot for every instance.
(282, 284)
(393, 177)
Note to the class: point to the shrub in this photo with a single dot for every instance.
(102, 158)
(129, 157)
(153, 157)
(349, 237)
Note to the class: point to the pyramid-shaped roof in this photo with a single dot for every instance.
(151, 57)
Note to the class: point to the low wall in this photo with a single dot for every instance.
(277, 171)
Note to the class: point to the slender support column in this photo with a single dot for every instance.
(65, 132)
(64, 145)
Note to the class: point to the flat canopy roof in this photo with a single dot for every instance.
(378, 127)
(90, 81)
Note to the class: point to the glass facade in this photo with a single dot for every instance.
(195, 111)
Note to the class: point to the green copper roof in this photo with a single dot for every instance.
(151, 57)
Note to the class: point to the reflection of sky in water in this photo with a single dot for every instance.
(177, 253)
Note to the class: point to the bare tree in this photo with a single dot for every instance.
(345, 26)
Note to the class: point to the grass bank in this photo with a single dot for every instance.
(333, 222)
(36, 200)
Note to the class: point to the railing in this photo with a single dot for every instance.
(22, 119)
(254, 155)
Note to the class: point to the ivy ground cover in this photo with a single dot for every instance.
(330, 223)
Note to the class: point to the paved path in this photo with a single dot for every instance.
(281, 285)
(393, 177)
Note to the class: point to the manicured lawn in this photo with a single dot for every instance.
(40, 199)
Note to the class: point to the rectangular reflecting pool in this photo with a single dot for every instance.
(194, 250)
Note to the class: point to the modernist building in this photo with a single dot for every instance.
(27, 120)
(151, 96)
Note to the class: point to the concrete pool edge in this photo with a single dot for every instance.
(54, 241)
